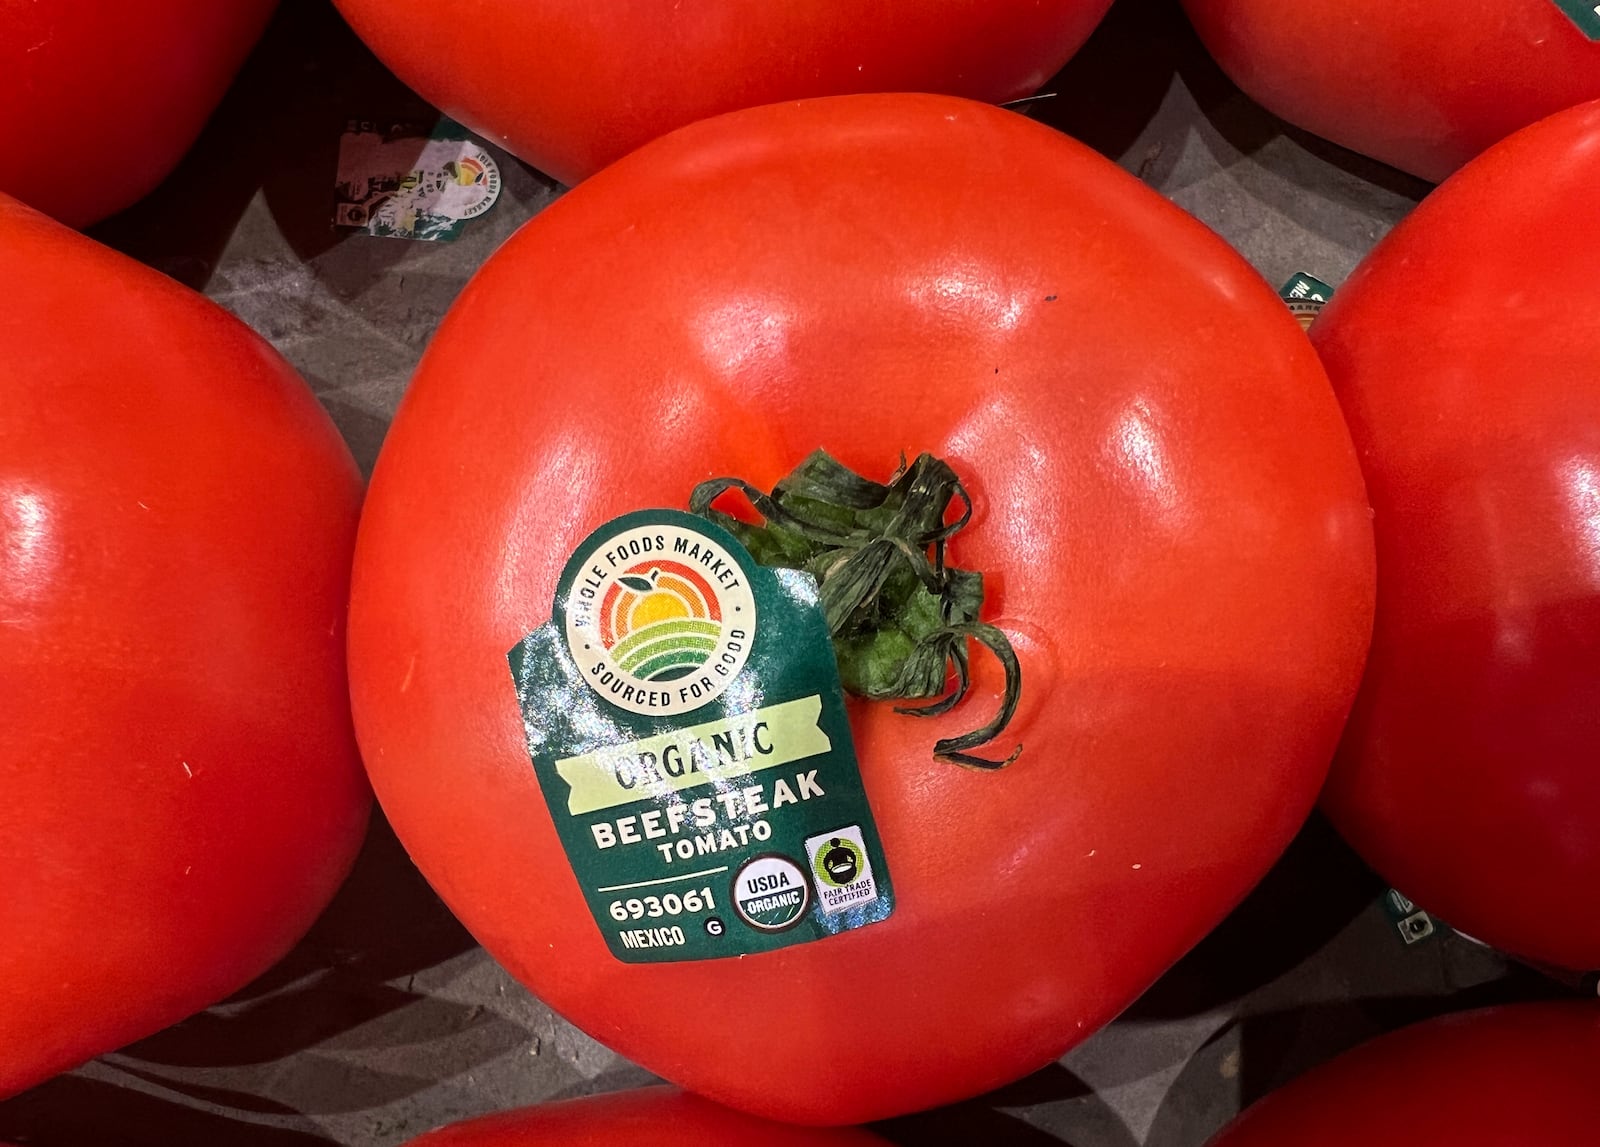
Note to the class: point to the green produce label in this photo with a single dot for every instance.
(1305, 295)
(685, 721)
(1412, 923)
(1586, 16)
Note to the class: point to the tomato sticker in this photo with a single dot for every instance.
(1306, 295)
(404, 182)
(1586, 16)
(1412, 923)
(687, 727)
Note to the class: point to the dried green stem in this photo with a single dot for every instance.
(902, 619)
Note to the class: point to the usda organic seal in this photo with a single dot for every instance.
(771, 893)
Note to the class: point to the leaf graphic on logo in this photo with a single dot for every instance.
(642, 585)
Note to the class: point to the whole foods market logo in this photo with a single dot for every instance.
(660, 619)
(470, 184)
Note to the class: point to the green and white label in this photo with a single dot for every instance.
(1305, 296)
(401, 181)
(685, 720)
(1585, 16)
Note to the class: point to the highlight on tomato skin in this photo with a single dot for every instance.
(182, 789)
(100, 99)
(1465, 363)
(1501, 1077)
(571, 87)
(1167, 514)
(658, 1116)
(1421, 86)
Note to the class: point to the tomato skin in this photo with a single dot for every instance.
(99, 99)
(660, 1116)
(572, 85)
(183, 791)
(1467, 777)
(1501, 1077)
(1164, 488)
(1420, 85)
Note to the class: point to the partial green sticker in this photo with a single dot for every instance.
(400, 181)
(1305, 295)
(1585, 16)
(685, 720)
(1412, 923)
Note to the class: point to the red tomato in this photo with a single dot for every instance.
(659, 1116)
(1465, 360)
(1167, 508)
(182, 788)
(1422, 85)
(1504, 1077)
(99, 99)
(571, 85)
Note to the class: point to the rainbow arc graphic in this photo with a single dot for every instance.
(468, 171)
(660, 621)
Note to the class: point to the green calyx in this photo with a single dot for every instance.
(902, 620)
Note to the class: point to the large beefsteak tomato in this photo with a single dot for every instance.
(1465, 358)
(571, 85)
(181, 788)
(1422, 85)
(1503, 1077)
(659, 1116)
(1166, 505)
(99, 99)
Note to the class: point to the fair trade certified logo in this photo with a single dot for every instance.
(841, 868)
(659, 619)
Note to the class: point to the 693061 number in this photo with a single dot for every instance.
(658, 907)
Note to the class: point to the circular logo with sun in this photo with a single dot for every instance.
(468, 183)
(659, 618)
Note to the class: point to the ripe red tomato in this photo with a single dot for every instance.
(99, 99)
(182, 788)
(1503, 1077)
(1420, 85)
(1465, 361)
(571, 85)
(1167, 508)
(660, 1116)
